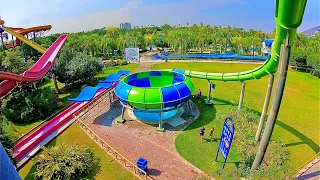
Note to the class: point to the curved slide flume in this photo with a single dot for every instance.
(36, 72)
(288, 17)
(25, 40)
(109, 83)
(24, 31)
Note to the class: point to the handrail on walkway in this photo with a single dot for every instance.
(115, 152)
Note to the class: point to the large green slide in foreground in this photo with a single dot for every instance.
(288, 17)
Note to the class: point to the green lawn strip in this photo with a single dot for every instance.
(109, 169)
(114, 69)
(297, 126)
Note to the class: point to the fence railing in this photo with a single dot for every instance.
(119, 157)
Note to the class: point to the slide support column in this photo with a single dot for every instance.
(208, 100)
(122, 113)
(190, 108)
(242, 95)
(160, 128)
(265, 107)
(14, 47)
(34, 36)
(276, 102)
(2, 46)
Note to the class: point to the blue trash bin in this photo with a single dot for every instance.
(142, 163)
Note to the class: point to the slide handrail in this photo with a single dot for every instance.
(98, 138)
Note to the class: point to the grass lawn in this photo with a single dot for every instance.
(109, 168)
(297, 125)
(105, 71)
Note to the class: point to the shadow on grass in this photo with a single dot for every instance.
(305, 140)
(96, 170)
(205, 111)
(208, 140)
(45, 81)
(30, 175)
(236, 163)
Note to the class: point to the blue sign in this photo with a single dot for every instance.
(225, 140)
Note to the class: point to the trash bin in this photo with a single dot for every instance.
(142, 163)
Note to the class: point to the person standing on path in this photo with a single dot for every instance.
(201, 131)
(211, 133)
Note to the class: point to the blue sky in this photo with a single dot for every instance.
(82, 15)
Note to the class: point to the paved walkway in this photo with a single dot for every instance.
(135, 139)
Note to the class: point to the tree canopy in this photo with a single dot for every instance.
(74, 66)
(65, 162)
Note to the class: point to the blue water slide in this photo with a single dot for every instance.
(89, 92)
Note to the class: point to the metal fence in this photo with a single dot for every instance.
(90, 113)
(114, 153)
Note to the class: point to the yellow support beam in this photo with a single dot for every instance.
(25, 40)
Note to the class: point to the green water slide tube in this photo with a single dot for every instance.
(288, 17)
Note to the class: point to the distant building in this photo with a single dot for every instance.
(125, 25)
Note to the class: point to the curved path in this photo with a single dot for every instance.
(135, 139)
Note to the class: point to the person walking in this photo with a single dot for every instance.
(211, 133)
(201, 131)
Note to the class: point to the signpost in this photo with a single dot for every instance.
(225, 140)
(132, 54)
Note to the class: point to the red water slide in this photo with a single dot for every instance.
(33, 141)
(36, 72)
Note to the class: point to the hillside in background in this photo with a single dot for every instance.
(311, 31)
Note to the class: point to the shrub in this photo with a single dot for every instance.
(275, 160)
(298, 58)
(314, 62)
(28, 105)
(65, 162)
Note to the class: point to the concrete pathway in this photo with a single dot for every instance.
(134, 139)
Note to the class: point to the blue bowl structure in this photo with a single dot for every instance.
(154, 90)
